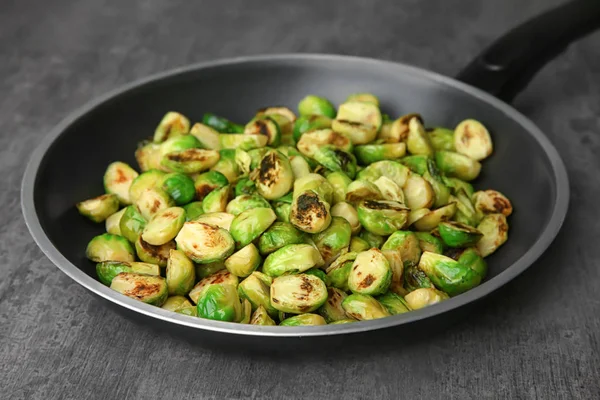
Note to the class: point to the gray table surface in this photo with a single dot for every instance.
(537, 339)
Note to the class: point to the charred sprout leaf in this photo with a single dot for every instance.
(424, 297)
(472, 139)
(250, 224)
(219, 302)
(208, 138)
(415, 278)
(333, 240)
(173, 124)
(244, 261)
(108, 247)
(455, 234)
(492, 202)
(260, 317)
(153, 254)
(193, 210)
(418, 140)
(310, 212)
(408, 245)
(315, 105)
(264, 127)
(495, 232)
(370, 153)
(204, 243)
(275, 176)
(304, 320)
(457, 165)
(382, 217)
(221, 124)
(118, 179)
(207, 182)
(349, 213)
(357, 245)
(181, 273)
(433, 218)
(442, 139)
(298, 293)
(152, 201)
(112, 223)
(316, 183)
(148, 289)
(292, 258)
(364, 307)
(336, 160)
(394, 303)
(430, 243)
(190, 161)
(332, 310)
(277, 236)
(164, 226)
(180, 187)
(147, 180)
(99, 208)
(222, 277)
(447, 274)
(310, 142)
(370, 274)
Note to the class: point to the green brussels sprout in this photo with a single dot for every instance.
(298, 293)
(204, 270)
(370, 274)
(360, 121)
(447, 274)
(153, 254)
(373, 239)
(300, 166)
(275, 177)
(310, 142)
(308, 123)
(244, 186)
(456, 185)
(260, 317)
(339, 271)
(146, 180)
(363, 98)
(193, 210)
(357, 244)
(333, 240)
(442, 139)
(342, 321)
(292, 258)
(217, 200)
(303, 320)
(244, 142)
(113, 221)
(457, 165)
(117, 180)
(415, 278)
(433, 218)
(424, 297)
(394, 303)
(190, 161)
(227, 165)
(349, 213)
(208, 138)
(332, 309)
(148, 156)
(276, 113)
(164, 226)
(256, 155)
(108, 247)
(495, 232)
(310, 213)
(246, 202)
(207, 182)
(364, 307)
(397, 130)
(266, 279)
(221, 124)
(279, 235)
(265, 127)
(107, 270)
(283, 211)
(180, 187)
(392, 169)
(382, 217)
(428, 242)
(360, 190)
(244, 261)
(316, 183)
(250, 224)
(415, 215)
(370, 153)
(220, 219)
(174, 303)
(418, 140)
(315, 105)
(179, 143)
(418, 193)
(473, 140)
(221, 277)
(180, 274)
(219, 302)
(416, 163)
(243, 161)
(152, 201)
(257, 293)
(491, 202)
(319, 273)
(471, 258)
(455, 234)
(173, 124)
(339, 182)
(389, 189)
(397, 267)
(148, 289)
(99, 208)
(336, 160)
(204, 243)
(408, 245)
(246, 312)
(466, 212)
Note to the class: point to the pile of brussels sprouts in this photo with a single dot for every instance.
(329, 217)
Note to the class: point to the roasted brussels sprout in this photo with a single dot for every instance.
(389, 189)
(148, 156)
(310, 142)
(336, 160)
(99, 208)
(207, 182)
(415, 278)
(175, 303)
(397, 130)
(315, 105)
(220, 219)
(316, 183)
(264, 127)
(108, 247)
(204, 243)
(408, 245)
(339, 182)
(447, 274)
(391, 169)
(148, 289)
(257, 292)
(382, 217)
(244, 185)
(333, 240)
(180, 187)
(300, 166)
(250, 224)
(442, 139)
(181, 273)
(152, 201)
(107, 270)
(349, 213)
(217, 200)
(298, 293)
(219, 302)
(193, 210)
(276, 112)
(246, 202)
(495, 232)
(208, 138)
(244, 261)
(310, 213)
(457, 165)
(117, 180)
(394, 303)
(227, 164)
(373, 239)
(491, 202)
(164, 226)
(173, 124)
(277, 236)
(370, 274)
(473, 140)
(153, 254)
(112, 223)
(275, 177)
(190, 161)
(418, 192)
(332, 309)
(456, 185)
(339, 271)
(221, 124)
(397, 267)
(303, 320)
(221, 277)
(307, 123)
(430, 243)
(424, 297)
(466, 212)
(433, 218)
(359, 121)
(179, 143)
(360, 190)
(370, 153)
(364, 307)
(416, 163)
(260, 317)
(204, 270)
(147, 180)
(357, 244)
(292, 258)
(471, 258)
(455, 234)
(244, 142)
(418, 141)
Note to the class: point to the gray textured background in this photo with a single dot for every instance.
(537, 339)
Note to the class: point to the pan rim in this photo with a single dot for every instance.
(553, 225)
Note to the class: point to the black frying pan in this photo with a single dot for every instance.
(67, 165)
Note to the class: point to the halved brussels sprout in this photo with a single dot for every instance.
(360, 190)
(244, 261)
(441, 138)
(204, 270)
(181, 273)
(358, 120)
(179, 143)
(466, 212)
(204, 243)
(243, 161)
(382, 217)
(430, 243)
(108, 247)
(148, 289)
(370, 153)
(219, 302)
(147, 180)
(300, 167)
(117, 180)
(307, 123)
(408, 245)
(349, 213)
(107, 270)
(424, 297)
(310, 142)
(222, 277)
(99, 208)
(280, 110)
(152, 201)
(207, 182)
(260, 317)
(416, 163)
(471, 258)
(208, 138)
(250, 224)
(303, 320)
(457, 165)
(415, 215)
(315, 105)
(220, 219)
(113, 221)
(363, 98)
(397, 267)
(221, 124)
(217, 200)
(227, 164)
(397, 131)
(336, 160)
(433, 218)
(333, 240)
(292, 258)
(175, 303)
(456, 185)
(282, 210)
(316, 183)
(357, 245)
(180, 187)
(415, 278)
(319, 273)
(190, 161)
(148, 156)
(172, 124)
(164, 226)
(418, 141)
(264, 127)
(193, 210)
(277, 236)
(473, 140)
(492, 202)
(418, 192)
(495, 232)
(332, 309)
(447, 274)
(339, 271)
(153, 254)
(310, 213)
(394, 303)
(370, 274)
(244, 142)
(243, 186)
(364, 307)
(373, 239)
(339, 182)
(298, 293)
(246, 202)
(389, 189)
(257, 292)
(455, 234)
(391, 169)
(275, 177)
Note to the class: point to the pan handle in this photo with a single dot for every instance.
(508, 65)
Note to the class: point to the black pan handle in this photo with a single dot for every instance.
(507, 65)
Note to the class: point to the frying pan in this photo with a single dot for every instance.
(66, 166)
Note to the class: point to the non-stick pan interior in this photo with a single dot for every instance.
(73, 166)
